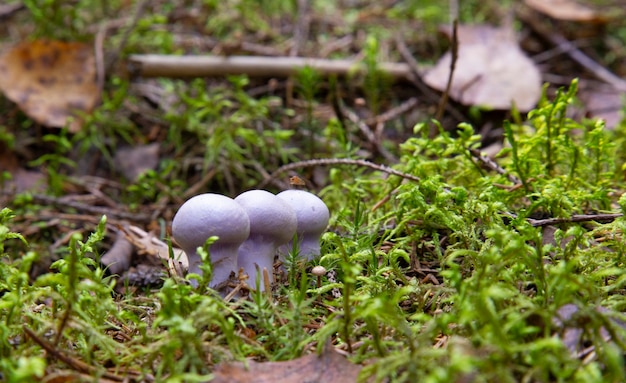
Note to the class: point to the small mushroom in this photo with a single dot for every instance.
(207, 215)
(313, 216)
(272, 223)
(319, 271)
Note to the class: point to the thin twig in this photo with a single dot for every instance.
(393, 113)
(455, 55)
(300, 34)
(415, 77)
(335, 45)
(116, 54)
(491, 164)
(336, 161)
(301, 28)
(76, 217)
(573, 52)
(369, 134)
(73, 363)
(99, 56)
(61, 202)
(575, 218)
(195, 188)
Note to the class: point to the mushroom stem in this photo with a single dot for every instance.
(254, 265)
(222, 264)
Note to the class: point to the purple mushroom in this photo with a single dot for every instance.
(313, 216)
(207, 215)
(272, 223)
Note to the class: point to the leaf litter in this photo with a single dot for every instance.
(475, 85)
(51, 81)
(491, 70)
(327, 367)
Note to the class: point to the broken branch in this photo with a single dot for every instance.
(257, 66)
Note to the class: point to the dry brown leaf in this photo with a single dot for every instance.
(63, 377)
(329, 367)
(491, 71)
(51, 81)
(132, 238)
(147, 243)
(71, 377)
(567, 10)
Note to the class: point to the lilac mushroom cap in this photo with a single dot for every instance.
(207, 215)
(313, 217)
(272, 223)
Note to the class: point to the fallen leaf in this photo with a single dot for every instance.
(571, 321)
(133, 161)
(491, 70)
(605, 103)
(62, 377)
(328, 367)
(21, 179)
(567, 10)
(51, 81)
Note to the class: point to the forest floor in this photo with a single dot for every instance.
(476, 219)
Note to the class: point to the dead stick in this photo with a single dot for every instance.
(491, 164)
(76, 217)
(116, 54)
(396, 112)
(573, 52)
(337, 161)
(204, 66)
(574, 219)
(301, 28)
(455, 55)
(75, 364)
(416, 79)
(44, 199)
(369, 134)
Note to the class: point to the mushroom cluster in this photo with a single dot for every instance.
(251, 230)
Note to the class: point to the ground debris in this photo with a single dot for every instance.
(329, 367)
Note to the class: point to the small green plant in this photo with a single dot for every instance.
(150, 35)
(153, 185)
(504, 277)
(63, 21)
(238, 135)
(376, 83)
(461, 276)
(106, 127)
(56, 161)
(308, 81)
